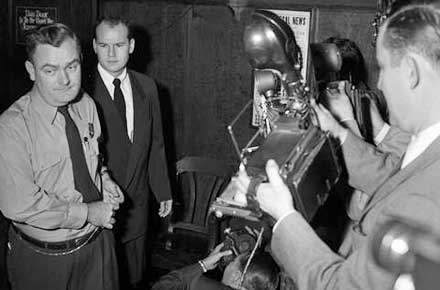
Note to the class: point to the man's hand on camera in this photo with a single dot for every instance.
(241, 183)
(215, 256)
(328, 123)
(274, 197)
(338, 102)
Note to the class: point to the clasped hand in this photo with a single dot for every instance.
(102, 213)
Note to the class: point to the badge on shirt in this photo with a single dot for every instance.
(91, 130)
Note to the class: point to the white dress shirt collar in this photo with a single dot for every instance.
(420, 142)
(108, 79)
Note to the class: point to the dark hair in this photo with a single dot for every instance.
(262, 273)
(353, 64)
(53, 34)
(113, 21)
(415, 28)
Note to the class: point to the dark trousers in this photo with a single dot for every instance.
(4, 224)
(132, 261)
(93, 267)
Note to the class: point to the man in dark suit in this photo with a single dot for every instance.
(129, 110)
(407, 52)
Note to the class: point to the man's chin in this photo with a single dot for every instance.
(115, 69)
(70, 95)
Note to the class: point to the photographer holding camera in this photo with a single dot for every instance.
(262, 273)
(407, 52)
(390, 141)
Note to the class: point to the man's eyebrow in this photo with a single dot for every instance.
(116, 43)
(48, 65)
(74, 61)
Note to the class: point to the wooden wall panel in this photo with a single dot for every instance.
(4, 51)
(197, 60)
(218, 73)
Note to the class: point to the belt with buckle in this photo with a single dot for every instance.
(59, 246)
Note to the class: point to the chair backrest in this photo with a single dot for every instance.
(199, 181)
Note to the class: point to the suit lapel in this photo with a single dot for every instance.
(141, 114)
(431, 154)
(101, 93)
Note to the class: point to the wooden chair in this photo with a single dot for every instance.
(191, 232)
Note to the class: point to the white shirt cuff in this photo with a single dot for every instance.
(383, 132)
(343, 137)
(281, 219)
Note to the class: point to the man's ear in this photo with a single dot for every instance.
(30, 69)
(412, 71)
(94, 45)
(131, 45)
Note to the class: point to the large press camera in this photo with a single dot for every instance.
(305, 154)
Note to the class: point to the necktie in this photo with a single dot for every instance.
(118, 99)
(83, 181)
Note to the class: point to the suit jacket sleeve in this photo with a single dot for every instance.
(179, 279)
(312, 265)
(188, 278)
(368, 166)
(395, 142)
(157, 165)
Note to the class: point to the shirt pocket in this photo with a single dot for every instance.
(48, 161)
(88, 139)
(49, 168)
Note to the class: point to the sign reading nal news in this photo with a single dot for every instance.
(28, 18)
(299, 21)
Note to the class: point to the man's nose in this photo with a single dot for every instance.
(111, 50)
(63, 77)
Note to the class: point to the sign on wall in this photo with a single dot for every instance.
(28, 18)
(299, 21)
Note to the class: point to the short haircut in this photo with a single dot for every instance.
(262, 273)
(416, 29)
(53, 34)
(353, 64)
(114, 21)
